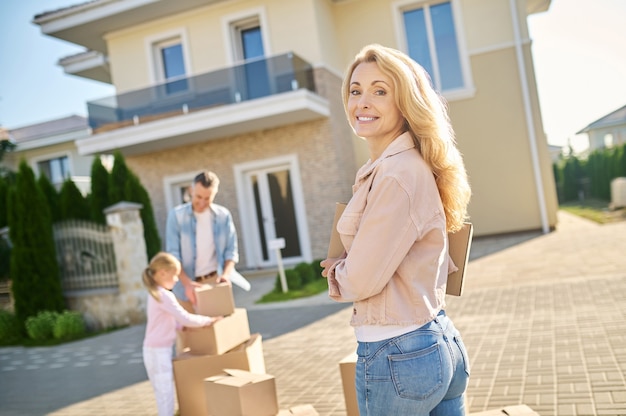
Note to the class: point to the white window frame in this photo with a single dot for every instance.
(248, 224)
(171, 200)
(34, 163)
(232, 25)
(153, 44)
(398, 9)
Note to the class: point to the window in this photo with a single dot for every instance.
(432, 40)
(57, 170)
(253, 76)
(170, 65)
(246, 35)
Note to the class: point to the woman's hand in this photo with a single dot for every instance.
(329, 262)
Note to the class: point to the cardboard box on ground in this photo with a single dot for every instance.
(190, 370)
(238, 392)
(347, 368)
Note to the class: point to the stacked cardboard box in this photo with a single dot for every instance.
(220, 370)
(205, 352)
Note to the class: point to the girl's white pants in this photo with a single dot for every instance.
(158, 362)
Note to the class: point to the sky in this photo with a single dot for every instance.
(578, 51)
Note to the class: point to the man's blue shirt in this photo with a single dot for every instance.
(180, 239)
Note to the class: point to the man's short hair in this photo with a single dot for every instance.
(207, 179)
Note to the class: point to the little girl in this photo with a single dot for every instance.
(165, 315)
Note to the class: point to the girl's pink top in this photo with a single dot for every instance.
(165, 317)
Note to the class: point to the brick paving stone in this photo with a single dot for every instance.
(543, 317)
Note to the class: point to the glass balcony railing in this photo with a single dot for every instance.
(250, 80)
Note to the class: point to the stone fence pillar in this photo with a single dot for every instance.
(125, 305)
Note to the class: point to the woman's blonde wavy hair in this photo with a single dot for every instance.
(426, 119)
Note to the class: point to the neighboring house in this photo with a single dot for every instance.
(556, 152)
(608, 131)
(251, 90)
(49, 148)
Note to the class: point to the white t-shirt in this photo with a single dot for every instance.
(206, 258)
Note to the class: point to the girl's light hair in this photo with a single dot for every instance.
(160, 261)
(426, 119)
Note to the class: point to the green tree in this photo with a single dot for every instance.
(125, 186)
(36, 284)
(73, 203)
(4, 192)
(572, 176)
(99, 197)
(117, 178)
(5, 147)
(135, 192)
(52, 196)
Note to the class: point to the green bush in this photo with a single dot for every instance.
(69, 324)
(40, 327)
(293, 281)
(317, 269)
(307, 274)
(10, 328)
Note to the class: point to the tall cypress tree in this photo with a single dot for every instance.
(99, 199)
(135, 192)
(124, 185)
(52, 196)
(4, 194)
(73, 203)
(117, 179)
(36, 284)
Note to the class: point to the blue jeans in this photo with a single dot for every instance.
(421, 373)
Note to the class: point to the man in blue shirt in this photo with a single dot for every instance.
(202, 235)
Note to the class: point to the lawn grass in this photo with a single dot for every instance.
(595, 210)
(313, 288)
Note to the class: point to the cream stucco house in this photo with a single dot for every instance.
(251, 90)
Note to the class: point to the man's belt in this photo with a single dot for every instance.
(206, 276)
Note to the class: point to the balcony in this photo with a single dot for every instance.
(258, 94)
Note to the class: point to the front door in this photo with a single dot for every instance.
(273, 209)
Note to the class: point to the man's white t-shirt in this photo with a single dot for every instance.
(206, 257)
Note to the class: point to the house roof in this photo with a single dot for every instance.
(49, 128)
(617, 117)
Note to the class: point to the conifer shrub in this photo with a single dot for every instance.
(99, 197)
(52, 196)
(72, 202)
(135, 192)
(36, 283)
(124, 185)
(4, 194)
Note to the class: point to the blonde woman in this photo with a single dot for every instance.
(165, 315)
(406, 198)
